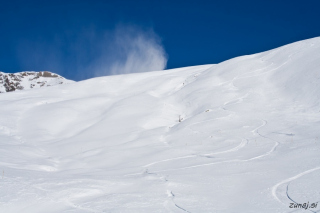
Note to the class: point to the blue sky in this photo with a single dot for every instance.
(77, 38)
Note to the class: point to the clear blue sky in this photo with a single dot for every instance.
(52, 35)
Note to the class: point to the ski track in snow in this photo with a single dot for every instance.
(171, 196)
(275, 187)
(287, 193)
(215, 163)
(241, 145)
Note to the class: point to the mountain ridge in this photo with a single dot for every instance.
(25, 80)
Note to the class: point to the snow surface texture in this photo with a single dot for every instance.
(10, 82)
(248, 139)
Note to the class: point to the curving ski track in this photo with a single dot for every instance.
(275, 187)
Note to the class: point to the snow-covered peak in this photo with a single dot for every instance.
(27, 80)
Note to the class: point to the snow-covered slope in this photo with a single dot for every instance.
(27, 80)
(248, 139)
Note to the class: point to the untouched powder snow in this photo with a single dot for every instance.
(239, 136)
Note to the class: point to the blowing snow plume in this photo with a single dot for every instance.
(91, 52)
(132, 50)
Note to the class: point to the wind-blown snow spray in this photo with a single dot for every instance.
(133, 50)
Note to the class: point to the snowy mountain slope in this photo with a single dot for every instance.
(248, 140)
(27, 80)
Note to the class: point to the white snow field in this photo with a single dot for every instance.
(248, 140)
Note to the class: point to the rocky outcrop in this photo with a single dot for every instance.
(10, 82)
